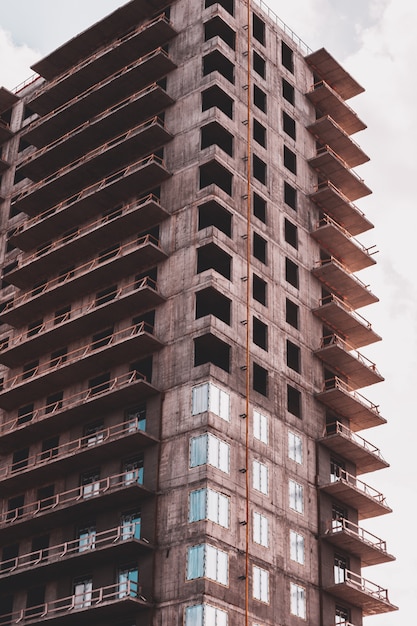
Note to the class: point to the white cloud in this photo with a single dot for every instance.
(16, 63)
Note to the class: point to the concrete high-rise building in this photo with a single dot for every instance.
(179, 330)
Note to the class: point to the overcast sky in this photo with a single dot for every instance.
(376, 41)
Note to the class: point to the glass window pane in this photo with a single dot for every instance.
(195, 564)
(197, 505)
(198, 451)
(194, 615)
(200, 396)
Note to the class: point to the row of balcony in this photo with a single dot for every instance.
(338, 206)
(360, 592)
(339, 280)
(347, 444)
(351, 538)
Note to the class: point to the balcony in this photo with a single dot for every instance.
(46, 131)
(326, 131)
(328, 102)
(338, 279)
(325, 66)
(101, 603)
(138, 296)
(344, 401)
(141, 73)
(81, 363)
(372, 599)
(5, 132)
(345, 321)
(103, 62)
(121, 150)
(352, 365)
(350, 446)
(331, 167)
(7, 99)
(332, 202)
(339, 243)
(350, 538)
(113, 264)
(129, 388)
(353, 492)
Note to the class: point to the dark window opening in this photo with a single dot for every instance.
(102, 338)
(259, 248)
(293, 356)
(291, 272)
(99, 383)
(259, 98)
(18, 176)
(211, 302)
(20, 459)
(228, 5)
(216, 97)
(14, 210)
(259, 133)
(260, 379)
(287, 57)
(214, 133)
(290, 160)
(292, 313)
(259, 64)
(9, 555)
(258, 29)
(150, 275)
(35, 601)
(288, 92)
(145, 322)
(25, 414)
(213, 173)
(27, 112)
(210, 349)
(45, 496)
(66, 274)
(54, 402)
(50, 448)
(34, 327)
(290, 196)
(217, 27)
(211, 213)
(10, 245)
(213, 257)
(288, 124)
(259, 169)
(216, 61)
(6, 608)
(109, 253)
(113, 213)
(30, 369)
(38, 288)
(41, 545)
(294, 401)
(58, 357)
(291, 233)
(260, 333)
(106, 295)
(259, 207)
(15, 507)
(6, 270)
(259, 289)
(143, 368)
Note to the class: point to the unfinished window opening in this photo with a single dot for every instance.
(50, 448)
(28, 112)
(290, 196)
(210, 349)
(35, 601)
(293, 356)
(213, 257)
(151, 274)
(259, 207)
(259, 289)
(260, 379)
(288, 124)
(288, 92)
(143, 368)
(228, 5)
(20, 459)
(58, 357)
(38, 288)
(62, 315)
(99, 384)
(259, 248)
(259, 133)
(30, 369)
(15, 507)
(145, 321)
(211, 302)
(9, 555)
(18, 176)
(291, 233)
(106, 295)
(54, 402)
(65, 274)
(10, 245)
(41, 544)
(109, 253)
(212, 213)
(292, 312)
(25, 413)
(259, 98)
(291, 272)
(290, 160)
(14, 210)
(216, 27)
(102, 338)
(6, 270)
(260, 333)
(287, 57)
(258, 29)
(214, 133)
(213, 173)
(45, 496)
(217, 62)
(35, 327)
(259, 169)
(293, 401)
(216, 97)
(259, 64)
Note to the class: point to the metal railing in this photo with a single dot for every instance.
(366, 586)
(337, 428)
(331, 297)
(332, 259)
(326, 220)
(343, 476)
(323, 83)
(336, 526)
(335, 340)
(328, 184)
(326, 149)
(305, 49)
(337, 383)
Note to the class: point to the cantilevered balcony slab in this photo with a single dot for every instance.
(328, 102)
(7, 99)
(347, 444)
(332, 202)
(353, 366)
(355, 590)
(125, 113)
(331, 167)
(105, 61)
(345, 321)
(327, 68)
(346, 285)
(339, 243)
(126, 389)
(5, 132)
(353, 492)
(352, 539)
(346, 402)
(328, 132)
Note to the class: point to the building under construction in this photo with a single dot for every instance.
(181, 431)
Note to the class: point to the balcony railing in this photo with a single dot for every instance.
(328, 101)
(327, 131)
(332, 272)
(128, 591)
(72, 549)
(342, 440)
(353, 539)
(361, 592)
(332, 201)
(354, 492)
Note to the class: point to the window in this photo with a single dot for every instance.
(93, 434)
(212, 213)
(259, 64)
(298, 600)
(209, 397)
(291, 272)
(287, 57)
(30, 369)
(54, 402)
(214, 133)
(260, 477)
(129, 582)
(20, 459)
(290, 196)
(259, 248)
(209, 301)
(340, 567)
(15, 507)
(260, 379)
(83, 590)
(290, 233)
(135, 418)
(292, 313)
(259, 169)
(206, 561)
(288, 124)
(208, 504)
(259, 98)
(297, 549)
(260, 333)
(342, 616)
(133, 471)
(259, 133)
(130, 525)
(62, 315)
(50, 448)
(212, 173)
(216, 97)
(260, 529)
(258, 29)
(290, 160)
(260, 584)
(45, 496)
(293, 356)
(210, 349)
(294, 401)
(205, 615)
(216, 61)
(216, 27)
(90, 484)
(259, 289)
(295, 447)
(260, 426)
(87, 538)
(208, 449)
(259, 207)
(296, 496)
(99, 384)
(228, 5)
(34, 328)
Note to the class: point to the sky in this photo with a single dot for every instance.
(375, 40)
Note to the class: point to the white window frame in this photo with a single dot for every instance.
(210, 397)
(296, 496)
(298, 600)
(260, 426)
(297, 547)
(215, 564)
(205, 615)
(260, 584)
(260, 476)
(217, 452)
(260, 529)
(295, 447)
(213, 506)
